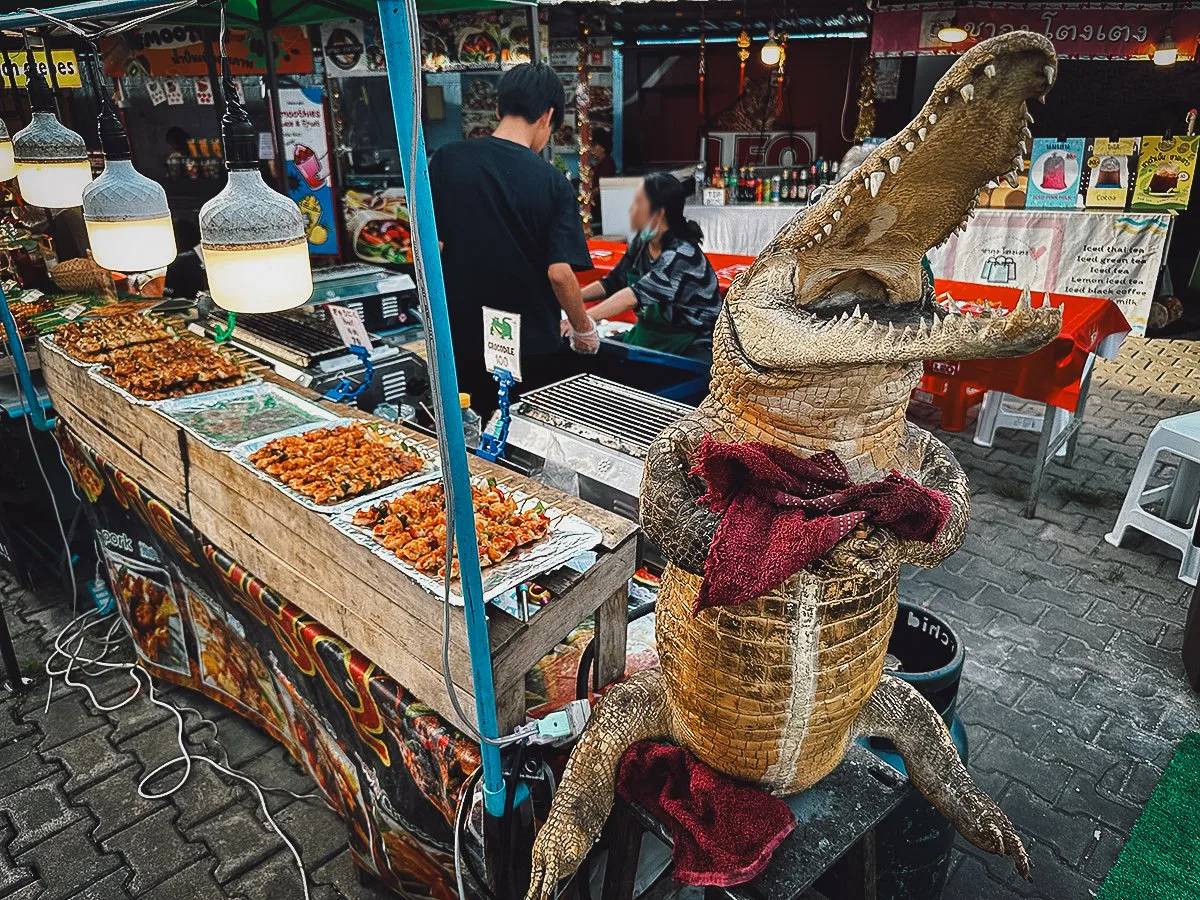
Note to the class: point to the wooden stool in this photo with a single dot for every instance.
(834, 837)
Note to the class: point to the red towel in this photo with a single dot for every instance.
(782, 512)
(724, 831)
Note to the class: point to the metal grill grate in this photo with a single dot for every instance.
(593, 407)
(300, 339)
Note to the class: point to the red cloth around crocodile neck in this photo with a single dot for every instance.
(781, 512)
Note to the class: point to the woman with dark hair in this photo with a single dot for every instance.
(663, 276)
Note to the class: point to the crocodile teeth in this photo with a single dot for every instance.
(891, 332)
(857, 311)
(968, 92)
(894, 164)
(846, 199)
(1022, 149)
(909, 145)
(875, 182)
(827, 228)
(1049, 70)
(933, 118)
(993, 184)
(921, 132)
(1026, 134)
(1023, 305)
(989, 70)
(946, 99)
(1028, 117)
(1018, 163)
(837, 214)
(1012, 179)
(817, 237)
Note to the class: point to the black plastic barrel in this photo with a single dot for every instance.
(912, 845)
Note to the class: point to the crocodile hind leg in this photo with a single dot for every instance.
(635, 710)
(897, 712)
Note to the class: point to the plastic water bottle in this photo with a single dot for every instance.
(472, 424)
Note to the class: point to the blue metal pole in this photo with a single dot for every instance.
(36, 414)
(400, 66)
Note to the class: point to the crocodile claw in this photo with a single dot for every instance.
(993, 831)
(560, 847)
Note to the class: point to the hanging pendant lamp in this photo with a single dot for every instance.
(51, 159)
(126, 214)
(253, 238)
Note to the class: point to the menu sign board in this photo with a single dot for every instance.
(1165, 172)
(1054, 173)
(1110, 164)
(173, 50)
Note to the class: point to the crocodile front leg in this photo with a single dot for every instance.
(897, 712)
(671, 517)
(938, 469)
(635, 710)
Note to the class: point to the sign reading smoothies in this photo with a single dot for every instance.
(306, 152)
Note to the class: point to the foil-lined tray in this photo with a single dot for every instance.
(95, 373)
(568, 536)
(432, 468)
(249, 410)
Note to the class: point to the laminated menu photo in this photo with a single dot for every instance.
(1165, 171)
(1054, 174)
(1110, 166)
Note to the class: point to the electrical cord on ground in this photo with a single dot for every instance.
(68, 657)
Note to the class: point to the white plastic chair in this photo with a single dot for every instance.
(996, 413)
(1179, 436)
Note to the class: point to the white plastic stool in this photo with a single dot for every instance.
(1179, 436)
(995, 414)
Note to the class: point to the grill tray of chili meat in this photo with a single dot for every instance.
(97, 341)
(175, 367)
(332, 465)
(413, 526)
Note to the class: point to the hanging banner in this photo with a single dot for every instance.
(479, 40)
(352, 48)
(14, 71)
(159, 50)
(1116, 255)
(306, 149)
(1130, 31)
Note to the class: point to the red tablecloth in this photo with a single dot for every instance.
(606, 255)
(1050, 375)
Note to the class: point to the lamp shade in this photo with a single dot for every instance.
(952, 32)
(1166, 53)
(52, 163)
(255, 249)
(770, 52)
(8, 166)
(128, 221)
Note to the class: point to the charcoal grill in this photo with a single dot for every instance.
(298, 338)
(596, 428)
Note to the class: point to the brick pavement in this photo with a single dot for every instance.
(1073, 695)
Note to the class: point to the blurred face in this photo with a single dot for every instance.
(597, 152)
(640, 215)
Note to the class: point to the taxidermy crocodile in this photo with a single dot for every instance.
(817, 348)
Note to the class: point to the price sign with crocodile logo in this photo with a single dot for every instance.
(502, 341)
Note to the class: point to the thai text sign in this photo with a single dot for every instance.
(1129, 32)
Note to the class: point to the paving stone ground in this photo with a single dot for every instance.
(1074, 698)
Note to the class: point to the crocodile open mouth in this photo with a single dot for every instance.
(848, 270)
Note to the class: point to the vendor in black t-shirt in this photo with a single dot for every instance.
(512, 238)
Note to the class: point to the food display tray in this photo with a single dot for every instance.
(95, 373)
(241, 453)
(47, 340)
(567, 537)
(254, 402)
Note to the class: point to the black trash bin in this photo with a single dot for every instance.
(912, 845)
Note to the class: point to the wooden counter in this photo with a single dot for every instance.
(393, 621)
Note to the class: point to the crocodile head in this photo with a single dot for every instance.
(842, 284)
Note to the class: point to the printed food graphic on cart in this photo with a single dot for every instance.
(330, 467)
(148, 602)
(97, 340)
(228, 662)
(519, 536)
(226, 418)
(175, 367)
